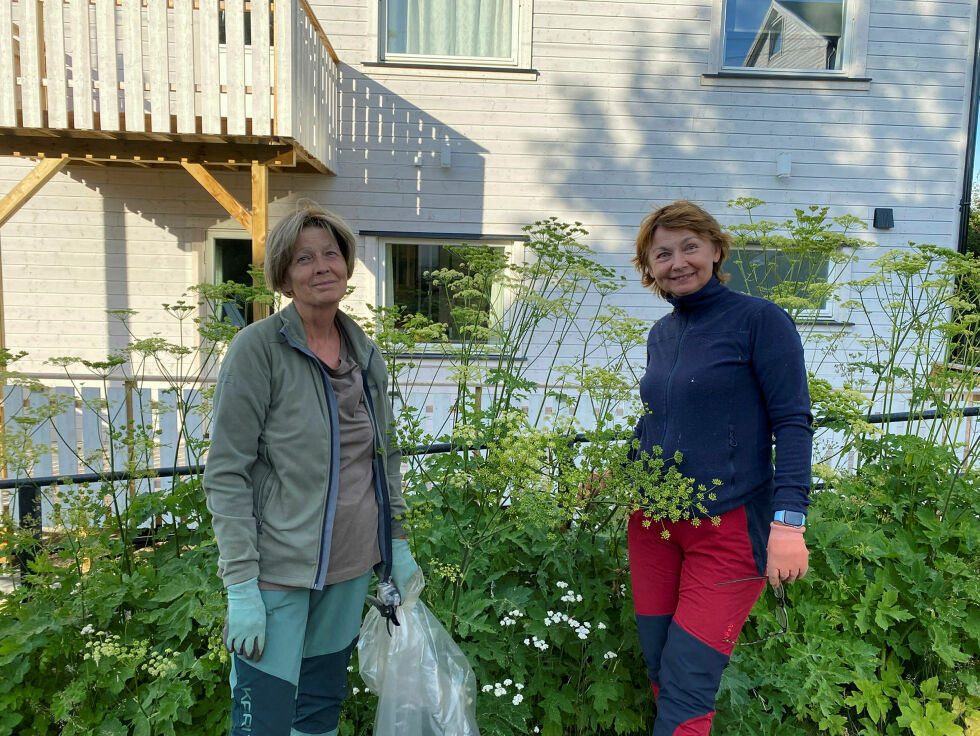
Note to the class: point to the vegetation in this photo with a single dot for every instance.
(521, 531)
(973, 224)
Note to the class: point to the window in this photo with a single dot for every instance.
(799, 282)
(412, 283)
(790, 35)
(775, 37)
(232, 260)
(494, 33)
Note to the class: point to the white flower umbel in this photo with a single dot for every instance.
(537, 643)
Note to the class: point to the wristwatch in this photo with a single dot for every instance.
(790, 518)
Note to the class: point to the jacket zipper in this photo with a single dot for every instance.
(261, 515)
(670, 379)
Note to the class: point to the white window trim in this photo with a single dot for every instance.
(523, 25)
(855, 46)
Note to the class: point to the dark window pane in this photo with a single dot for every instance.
(232, 260)
(410, 270)
(772, 274)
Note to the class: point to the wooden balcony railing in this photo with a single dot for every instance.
(183, 71)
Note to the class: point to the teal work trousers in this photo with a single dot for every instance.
(301, 681)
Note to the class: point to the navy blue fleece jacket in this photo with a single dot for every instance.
(725, 382)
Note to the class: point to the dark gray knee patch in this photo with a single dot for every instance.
(322, 689)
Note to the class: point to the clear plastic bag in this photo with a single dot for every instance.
(424, 683)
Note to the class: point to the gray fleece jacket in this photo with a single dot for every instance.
(272, 472)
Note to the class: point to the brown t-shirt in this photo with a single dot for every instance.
(354, 547)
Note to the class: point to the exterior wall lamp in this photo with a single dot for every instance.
(784, 166)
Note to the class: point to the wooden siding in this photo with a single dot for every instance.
(621, 116)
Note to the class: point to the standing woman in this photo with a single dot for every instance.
(303, 482)
(725, 385)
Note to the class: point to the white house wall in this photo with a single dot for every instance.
(619, 118)
(622, 118)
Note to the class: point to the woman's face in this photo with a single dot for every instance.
(317, 274)
(681, 262)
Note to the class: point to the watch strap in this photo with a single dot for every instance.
(791, 518)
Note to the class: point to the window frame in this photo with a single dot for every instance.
(857, 14)
(520, 59)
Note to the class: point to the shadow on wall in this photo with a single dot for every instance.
(403, 169)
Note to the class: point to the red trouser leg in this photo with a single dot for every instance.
(686, 622)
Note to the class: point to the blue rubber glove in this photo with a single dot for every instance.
(245, 625)
(403, 565)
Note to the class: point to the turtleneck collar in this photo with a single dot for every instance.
(704, 297)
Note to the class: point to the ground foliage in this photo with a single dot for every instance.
(520, 527)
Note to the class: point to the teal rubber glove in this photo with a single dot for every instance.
(245, 624)
(403, 565)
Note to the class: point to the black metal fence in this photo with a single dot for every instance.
(28, 490)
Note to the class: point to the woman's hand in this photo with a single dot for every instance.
(595, 486)
(788, 556)
(245, 626)
(403, 565)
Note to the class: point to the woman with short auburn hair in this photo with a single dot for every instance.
(681, 215)
(725, 386)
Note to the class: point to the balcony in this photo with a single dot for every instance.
(168, 82)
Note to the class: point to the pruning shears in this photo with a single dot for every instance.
(387, 602)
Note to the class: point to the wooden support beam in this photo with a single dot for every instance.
(286, 159)
(3, 345)
(260, 223)
(222, 195)
(260, 211)
(28, 186)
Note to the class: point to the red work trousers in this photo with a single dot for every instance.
(687, 622)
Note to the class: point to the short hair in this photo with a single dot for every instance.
(681, 215)
(281, 242)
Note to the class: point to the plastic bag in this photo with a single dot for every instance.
(424, 683)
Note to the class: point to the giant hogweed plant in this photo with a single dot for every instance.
(525, 555)
(116, 627)
(524, 549)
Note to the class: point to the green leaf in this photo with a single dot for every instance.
(946, 650)
(937, 721)
(887, 611)
(604, 692)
